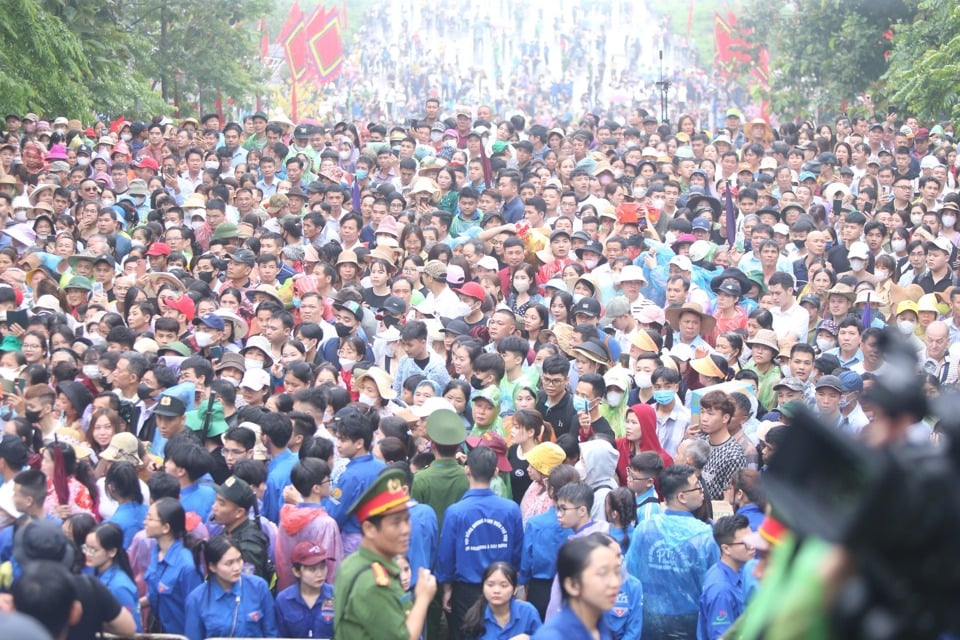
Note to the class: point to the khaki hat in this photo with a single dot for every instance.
(707, 322)
(124, 447)
(766, 338)
(382, 379)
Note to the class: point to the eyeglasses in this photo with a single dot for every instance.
(696, 488)
(634, 478)
(233, 453)
(562, 510)
(89, 551)
(552, 382)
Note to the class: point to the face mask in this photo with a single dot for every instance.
(32, 417)
(96, 338)
(640, 192)
(906, 327)
(233, 381)
(107, 202)
(249, 363)
(642, 378)
(10, 373)
(898, 245)
(670, 237)
(522, 286)
(581, 404)
(213, 164)
(799, 243)
(450, 143)
(83, 161)
(203, 339)
(92, 371)
(205, 276)
(916, 218)
(125, 137)
(20, 215)
(591, 263)
(170, 225)
(436, 136)
(347, 364)
(663, 397)
(785, 370)
(657, 203)
(881, 274)
(345, 155)
(476, 382)
(949, 221)
(825, 344)
(361, 174)
(577, 297)
(138, 200)
(857, 264)
(614, 398)
(844, 403)
(342, 330)
(367, 400)
(143, 391)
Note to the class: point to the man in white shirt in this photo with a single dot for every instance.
(789, 317)
(446, 303)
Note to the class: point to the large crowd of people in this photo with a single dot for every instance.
(468, 376)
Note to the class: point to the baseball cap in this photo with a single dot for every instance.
(184, 304)
(794, 384)
(851, 381)
(244, 256)
(495, 442)
(170, 406)
(587, 307)
(308, 554)
(473, 290)
(832, 382)
(237, 491)
(211, 320)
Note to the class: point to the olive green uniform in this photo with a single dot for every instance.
(369, 601)
(440, 485)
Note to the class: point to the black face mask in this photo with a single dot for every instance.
(390, 321)
(799, 243)
(342, 330)
(143, 391)
(205, 276)
(476, 382)
(33, 417)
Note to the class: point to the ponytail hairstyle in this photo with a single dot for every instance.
(172, 513)
(65, 464)
(623, 503)
(81, 524)
(110, 537)
(533, 421)
(472, 626)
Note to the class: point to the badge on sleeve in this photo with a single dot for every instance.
(380, 575)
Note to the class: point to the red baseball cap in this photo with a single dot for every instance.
(159, 249)
(184, 304)
(496, 442)
(308, 554)
(147, 163)
(473, 290)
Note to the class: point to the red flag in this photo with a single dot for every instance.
(325, 45)
(293, 38)
(264, 40)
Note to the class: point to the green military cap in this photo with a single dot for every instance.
(237, 491)
(170, 406)
(491, 394)
(790, 408)
(445, 428)
(177, 347)
(225, 231)
(386, 495)
(757, 278)
(218, 423)
(79, 282)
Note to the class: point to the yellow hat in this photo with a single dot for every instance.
(908, 305)
(545, 457)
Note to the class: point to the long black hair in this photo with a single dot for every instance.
(472, 626)
(110, 537)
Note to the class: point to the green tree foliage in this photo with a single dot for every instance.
(823, 52)
(925, 62)
(71, 57)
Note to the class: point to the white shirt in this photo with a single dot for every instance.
(447, 304)
(794, 320)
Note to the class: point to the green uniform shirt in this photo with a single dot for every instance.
(766, 395)
(440, 485)
(368, 600)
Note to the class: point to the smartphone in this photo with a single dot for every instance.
(837, 206)
(17, 317)
(891, 109)
(97, 288)
(867, 208)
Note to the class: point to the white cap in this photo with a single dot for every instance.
(929, 162)
(632, 272)
(858, 250)
(781, 228)
(255, 379)
(699, 250)
(683, 263)
(431, 405)
(488, 262)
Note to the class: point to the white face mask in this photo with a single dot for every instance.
(249, 363)
(906, 327)
(522, 286)
(916, 218)
(125, 137)
(785, 370)
(857, 264)
(233, 381)
(657, 203)
(390, 350)
(10, 373)
(196, 224)
(640, 192)
(614, 398)
(642, 378)
(898, 245)
(212, 164)
(346, 364)
(367, 400)
(825, 344)
(20, 215)
(591, 263)
(669, 237)
(92, 371)
(83, 161)
(170, 225)
(203, 339)
(949, 221)
(345, 155)
(881, 274)
(107, 202)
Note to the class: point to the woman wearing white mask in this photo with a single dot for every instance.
(884, 267)
(375, 389)
(948, 220)
(523, 290)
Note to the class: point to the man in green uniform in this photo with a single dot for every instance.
(368, 598)
(442, 483)
(231, 509)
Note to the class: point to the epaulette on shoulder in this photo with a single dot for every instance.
(380, 575)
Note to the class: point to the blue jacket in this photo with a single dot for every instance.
(124, 590)
(198, 498)
(359, 474)
(424, 539)
(754, 515)
(542, 538)
(625, 619)
(479, 529)
(247, 610)
(721, 603)
(278, 476)
(129, 517)
(671, 553)
(524, 618)
(296, 620)
(566, 626)
(169, 582)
